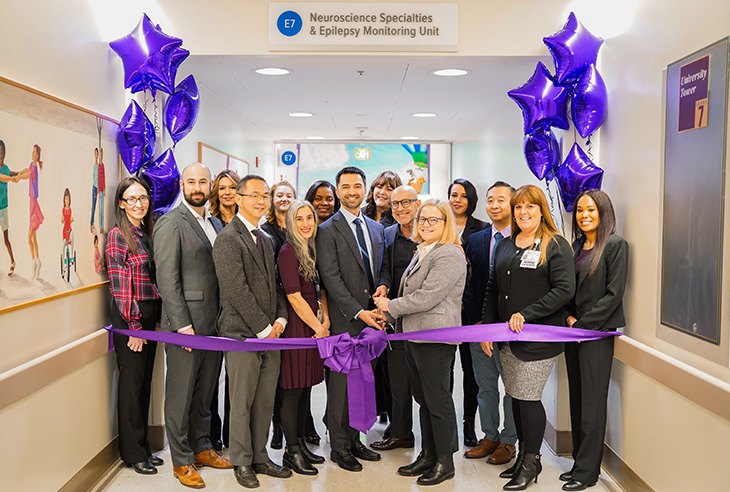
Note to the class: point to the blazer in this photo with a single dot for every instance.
(342, 271)
(598, 301)
(472, 225)
(540, 295)
(185, 272)
(251, 298)
(477, 254)
(430, 291)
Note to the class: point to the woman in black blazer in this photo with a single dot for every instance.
(601, 267)
(463, 199)
(532, 281)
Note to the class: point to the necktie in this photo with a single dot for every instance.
(364, 254)
(497, 238)
(259, 246)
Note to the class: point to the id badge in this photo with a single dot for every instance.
(530, 259)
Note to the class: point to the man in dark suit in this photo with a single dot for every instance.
(350, 253)
(487, 370)
(252, 306)
(189, 289)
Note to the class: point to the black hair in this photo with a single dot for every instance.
(123, 223)
(249, 177)
(351, 170)
(319, 184)
(471, 194)
(606, 225)
(501, 184)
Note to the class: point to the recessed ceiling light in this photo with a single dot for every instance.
(424, 115)
(315, 137)
(409, 138)
(300, 114)
(450, 72)
(273, 71)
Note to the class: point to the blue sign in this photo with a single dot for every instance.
(288, 158)
(289, 23)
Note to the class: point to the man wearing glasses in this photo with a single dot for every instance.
(183, 244)
(252, 306)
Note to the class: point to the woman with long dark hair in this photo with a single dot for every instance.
(323, 195)
(601, 260)
(532, 281)
(135, 306)
(378, 200)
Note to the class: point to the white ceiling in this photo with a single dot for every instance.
(381, 99)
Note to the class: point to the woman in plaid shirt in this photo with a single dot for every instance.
(135, 306)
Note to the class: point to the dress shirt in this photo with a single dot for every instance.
(506, 232)
(265, 332)
(204, 222)
(350, 217)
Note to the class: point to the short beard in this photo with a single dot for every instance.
(196, 202)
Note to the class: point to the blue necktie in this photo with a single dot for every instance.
(497, 238)
(364, 254)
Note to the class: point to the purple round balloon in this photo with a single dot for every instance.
(147, 54)
(590, 102)
(182, 109)
(135, 138)
(542, 152)
(543, 102)
(576, 175)
(573, 49)
(164, 180)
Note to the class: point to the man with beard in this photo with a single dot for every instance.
(350, 253)
(183, 246)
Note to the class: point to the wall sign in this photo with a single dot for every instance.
(694, 81)
(363, 26)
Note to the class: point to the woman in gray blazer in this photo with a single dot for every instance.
(430, 297)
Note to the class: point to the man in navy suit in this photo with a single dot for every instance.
(479, 251)
(349, 256)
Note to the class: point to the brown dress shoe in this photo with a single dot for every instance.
(484, 448)
(212, 459)
(188, 476)
(502, 454)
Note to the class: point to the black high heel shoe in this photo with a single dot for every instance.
(314, 459)
(512, 470)
(531, 468)
(294, 459)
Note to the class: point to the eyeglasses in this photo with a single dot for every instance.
(431, 220)
(142, 199)
(402, 203)
(256, 197)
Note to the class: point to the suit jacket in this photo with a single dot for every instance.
(343, 273)
(185, 272)
(477, 253)
(540, 295)
(472, 225)
(598, 301)
(251, 298)
(430, 291)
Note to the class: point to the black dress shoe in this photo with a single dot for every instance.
(577, 485)
(271, 469)
(217, 444)
(296, 461)
(312, 438)
(154, 460)
(314, 459)
(246, 476)
(143, 467)
(360, 451)
(437, 474)
(424, 462)
(393, 443)
(346, 461)
(566, 476)
(277, 437)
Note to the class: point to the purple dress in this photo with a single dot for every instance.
(36, 216)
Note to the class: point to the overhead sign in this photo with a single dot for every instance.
(363, 26)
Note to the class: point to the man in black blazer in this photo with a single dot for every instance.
(183, 244)
(487, 370)
(252, 306)
(350, 254)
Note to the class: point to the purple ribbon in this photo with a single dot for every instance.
(352, 356)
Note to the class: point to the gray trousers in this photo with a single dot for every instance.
(487, 371)
(252, 377)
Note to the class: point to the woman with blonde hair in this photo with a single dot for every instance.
(282, 194)
(532, 281)
(429, 297)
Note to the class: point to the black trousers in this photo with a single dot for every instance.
(342, 436)
(401, 415)
(469, 383)
(589, 374)
(430, 367)
(135, 378)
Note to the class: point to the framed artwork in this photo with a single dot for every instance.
(216, 160)
(59, 168)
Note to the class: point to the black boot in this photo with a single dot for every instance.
(424, 462)
(531, 468)
(314, 459)
(512, 470)
(443, 470)
(294, 459)
(470, 437)
(277, 437)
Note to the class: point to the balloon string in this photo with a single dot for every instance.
(157, 127)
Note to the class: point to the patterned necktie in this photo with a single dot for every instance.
(259, 246)
(364, 254)
(497, 238)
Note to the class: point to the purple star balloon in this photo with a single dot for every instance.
(573, 49)
(135, 138)
(542, 152)
(182, 109)
(590, 102)
(576, 175)
(146, 53)
(543, 102)
(164, 180)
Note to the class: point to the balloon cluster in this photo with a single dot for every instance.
(151, 59)
(544, 101)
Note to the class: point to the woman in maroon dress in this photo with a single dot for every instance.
(308, 317)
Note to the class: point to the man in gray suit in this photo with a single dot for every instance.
(350, 253)
(183, 242)
(252, 306)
